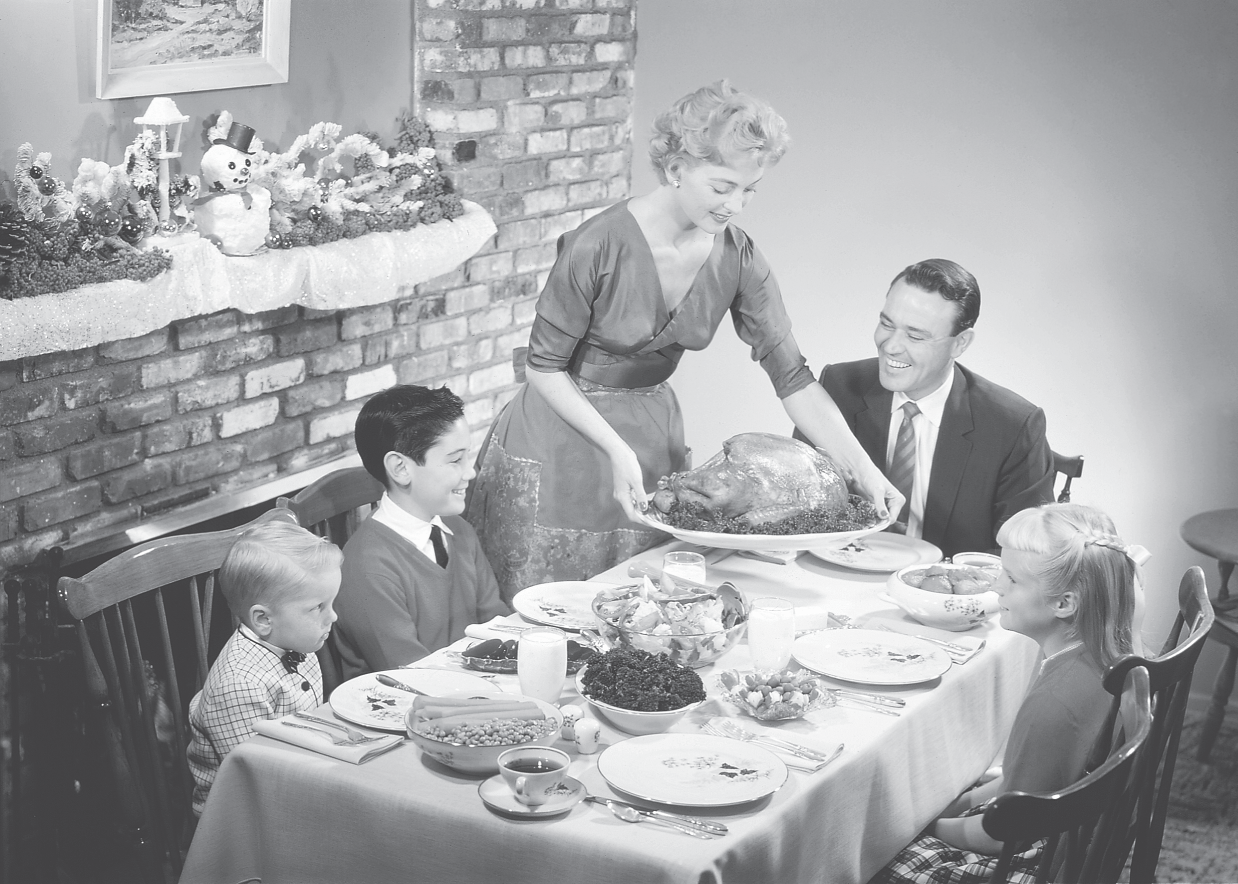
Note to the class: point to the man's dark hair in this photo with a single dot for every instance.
(406, 419)
(950, 281)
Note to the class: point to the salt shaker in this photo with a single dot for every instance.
(571, 715)
(586, 739)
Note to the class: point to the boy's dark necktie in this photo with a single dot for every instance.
(902, 471)
(440, 548)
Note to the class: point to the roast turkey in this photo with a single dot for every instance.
(757, 478)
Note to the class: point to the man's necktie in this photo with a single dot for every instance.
(440, 548)
(902, 472)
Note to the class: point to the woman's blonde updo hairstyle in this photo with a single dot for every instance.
(714, 121)
(1079, 549)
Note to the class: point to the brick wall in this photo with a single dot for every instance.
(531, 100)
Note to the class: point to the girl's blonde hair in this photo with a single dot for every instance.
(1080, 550)
(269, 563)
(712, 122)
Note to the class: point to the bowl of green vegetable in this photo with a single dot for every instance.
(639, 692)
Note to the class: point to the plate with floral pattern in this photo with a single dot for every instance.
(697, 770)
(567, 604)
(870, 656)
(362, 700)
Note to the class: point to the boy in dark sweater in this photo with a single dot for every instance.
(414, 574)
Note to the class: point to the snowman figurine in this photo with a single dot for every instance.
(232, 213)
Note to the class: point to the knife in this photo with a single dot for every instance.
(707, 825)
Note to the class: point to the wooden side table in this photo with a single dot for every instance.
(1215, 534)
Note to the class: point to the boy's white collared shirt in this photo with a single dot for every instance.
(927, 424)
(416, 531)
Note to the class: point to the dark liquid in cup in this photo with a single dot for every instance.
(533, 765)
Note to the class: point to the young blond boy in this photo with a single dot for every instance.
(280, 581)
(414, 571)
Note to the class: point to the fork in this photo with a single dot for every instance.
(337, 739)
(355, 735)
(725, 728)
(949, 646)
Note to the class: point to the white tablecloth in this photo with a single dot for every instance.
(286, 814)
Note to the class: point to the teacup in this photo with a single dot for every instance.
(535, 774)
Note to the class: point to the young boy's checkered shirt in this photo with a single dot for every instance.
(247, 682)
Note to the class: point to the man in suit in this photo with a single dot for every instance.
(966, 453)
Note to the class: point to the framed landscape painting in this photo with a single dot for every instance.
(163, 47)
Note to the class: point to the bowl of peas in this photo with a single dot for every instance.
(468, 731)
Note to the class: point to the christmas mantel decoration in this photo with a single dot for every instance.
(232, 211)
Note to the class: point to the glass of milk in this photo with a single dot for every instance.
(771, 632)
(541, 662)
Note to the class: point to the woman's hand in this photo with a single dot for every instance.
(871, 483)
(814, 412)
(629, 483)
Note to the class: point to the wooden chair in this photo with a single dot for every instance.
(333, 507)
(1079, 822)
(144, 620)
(1071, 468)
(1170, 676)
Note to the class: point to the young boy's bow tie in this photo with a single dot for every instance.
(291, 660)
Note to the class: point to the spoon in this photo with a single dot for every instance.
(632, 815)
(398, 685)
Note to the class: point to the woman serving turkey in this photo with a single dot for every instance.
(631, 289)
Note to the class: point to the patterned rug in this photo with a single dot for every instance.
(1201, 830)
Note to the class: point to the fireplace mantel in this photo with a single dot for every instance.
(370, 269)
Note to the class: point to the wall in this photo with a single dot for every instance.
(1077, 157)
(532, 107)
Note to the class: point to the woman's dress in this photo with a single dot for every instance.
(543, 501)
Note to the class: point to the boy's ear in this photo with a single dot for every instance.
(260, 620)
(398, 468)
(1066, 605)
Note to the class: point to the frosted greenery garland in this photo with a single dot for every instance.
(371, 269)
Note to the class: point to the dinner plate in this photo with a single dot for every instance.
(497, 796)
(870, 656)
(882, 553)
(761, 541)
(697, 770)
(362, 700)
(567, 604)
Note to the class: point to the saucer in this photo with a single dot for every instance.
(498, 797)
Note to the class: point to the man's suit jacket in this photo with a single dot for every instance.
(992, 457)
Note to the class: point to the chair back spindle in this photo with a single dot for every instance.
(1069, 466)
(144, 623)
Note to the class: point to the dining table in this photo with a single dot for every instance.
(280, 813)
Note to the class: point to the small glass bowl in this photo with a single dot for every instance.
(739, 695)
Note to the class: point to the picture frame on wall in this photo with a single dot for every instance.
(164, 47)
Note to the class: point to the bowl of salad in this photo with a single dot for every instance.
(693, 629)
(639, 692)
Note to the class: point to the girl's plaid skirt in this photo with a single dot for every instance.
(929, 860)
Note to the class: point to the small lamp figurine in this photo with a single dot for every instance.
(163, 114)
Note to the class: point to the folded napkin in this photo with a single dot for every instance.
(501, 626)
(319, 741)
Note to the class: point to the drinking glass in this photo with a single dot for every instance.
(771, 632)
(541, 662)
(688, 565)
